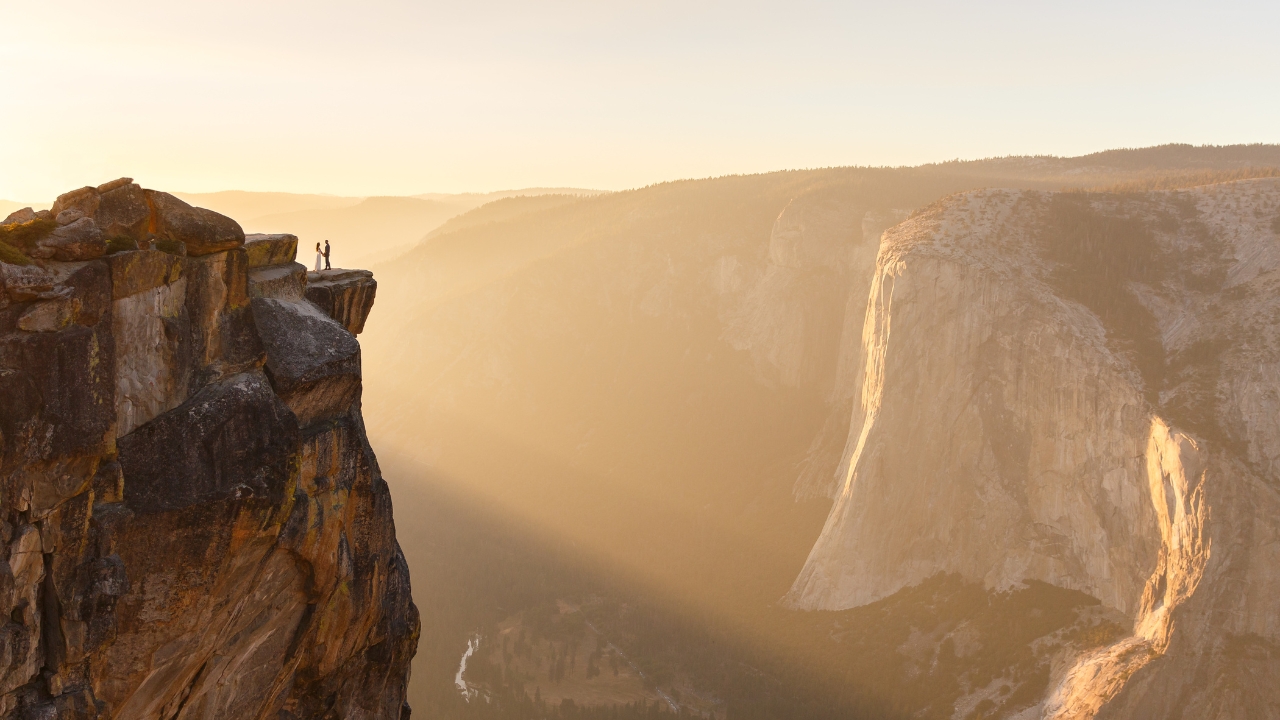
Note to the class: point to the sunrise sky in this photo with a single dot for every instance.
(410, 97)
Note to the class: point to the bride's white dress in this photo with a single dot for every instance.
(319, 257)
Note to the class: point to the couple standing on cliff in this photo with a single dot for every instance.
(322, 254)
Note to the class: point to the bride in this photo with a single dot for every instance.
(319, 256)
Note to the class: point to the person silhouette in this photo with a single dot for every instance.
(326, 254)
(319, 254)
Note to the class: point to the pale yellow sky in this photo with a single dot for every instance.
(410, 97)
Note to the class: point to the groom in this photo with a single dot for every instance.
(326, 254)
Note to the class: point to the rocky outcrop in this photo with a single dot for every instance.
(1079, 389)
(201, 231)
(346, 295)
(268, 250)
(313, 362)
(193, 522)
(272, 270)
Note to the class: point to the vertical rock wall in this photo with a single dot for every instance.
(1080, 389)
(193, 522)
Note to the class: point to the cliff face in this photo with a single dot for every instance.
(1080, 389)
(193, 522)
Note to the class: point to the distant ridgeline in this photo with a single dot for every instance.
(193, 522)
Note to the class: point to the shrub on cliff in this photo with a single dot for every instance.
(173, 247)
(121, 243)
(25, 235)
(12, 255)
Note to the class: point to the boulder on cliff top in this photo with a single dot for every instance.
(123, 210)
(275, 249)
(24, 215)
(202, 231)
(107, 187)
(78, 240)
(68, 216)
(84, 199)
(123, 215)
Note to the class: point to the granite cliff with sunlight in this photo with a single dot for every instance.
(194, 524)
(1079, 389)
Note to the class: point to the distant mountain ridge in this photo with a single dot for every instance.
(478, 199)
(8, 206)
(363, 229)
(1173, 156)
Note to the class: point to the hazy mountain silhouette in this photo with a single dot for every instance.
(8, 206)
(365, 230)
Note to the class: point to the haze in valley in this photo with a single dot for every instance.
(810, 360)
(641, 406)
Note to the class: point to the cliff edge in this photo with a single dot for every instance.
(193, 522)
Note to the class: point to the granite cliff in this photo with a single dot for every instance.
(1079, 389)
(193, 522)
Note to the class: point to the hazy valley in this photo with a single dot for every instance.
(365, 230)
(646, 403)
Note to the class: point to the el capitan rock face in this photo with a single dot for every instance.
(193, 524)
(1080, 389)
